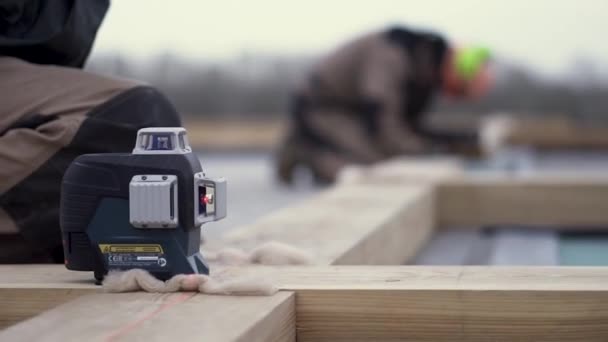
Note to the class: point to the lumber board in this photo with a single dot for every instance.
(371, 224)
(358, 303)
(365, 224)
(225, 135)
(404, 170)
(461, 315)
(389, 303)
(553, 202)
(550, 133)
(20, 304)
(361, 276)
(27, 290)
(161, 317)
(350, 224)
(440, 278)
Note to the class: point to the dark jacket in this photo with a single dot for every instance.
(59, 32)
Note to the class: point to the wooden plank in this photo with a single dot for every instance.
(382, 303)
(320, 276)
(364, 223)
(27, 290)
(441, 278)
(361, 224)
(547, 133)
(158, 317)
(44, 276)
(236, 135)
(462, 315)
(350, 224)
(20, 304)
(541, 201)
(356, 303)
(405, 170)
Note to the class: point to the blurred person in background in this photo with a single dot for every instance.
(366, 102)
(51, 112)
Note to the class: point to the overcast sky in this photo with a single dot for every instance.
(547, 35)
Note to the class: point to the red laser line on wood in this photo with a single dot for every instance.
(131, 326)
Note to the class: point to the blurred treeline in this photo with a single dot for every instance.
(257, 86)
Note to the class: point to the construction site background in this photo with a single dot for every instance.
(257, 86)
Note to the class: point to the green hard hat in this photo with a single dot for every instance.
(470, 60)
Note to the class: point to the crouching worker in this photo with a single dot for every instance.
(366, 102)
(51, 112)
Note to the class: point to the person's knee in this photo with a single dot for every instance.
(142, 106)
(112, 126)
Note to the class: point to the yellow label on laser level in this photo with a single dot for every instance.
(128, 248)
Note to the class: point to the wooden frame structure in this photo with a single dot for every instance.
(361, 232)
(554, 133)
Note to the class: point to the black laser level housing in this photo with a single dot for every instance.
(141, 210)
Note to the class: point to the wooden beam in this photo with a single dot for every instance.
(355, 224)
(236, 135)
(381, 303)
(355, 303)
(350, 224)
(21, 304)
(548, 133)
(147, 316)
(366, 224)
(540, 201)
(27, 290)
(307, 277)
(405, 170)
